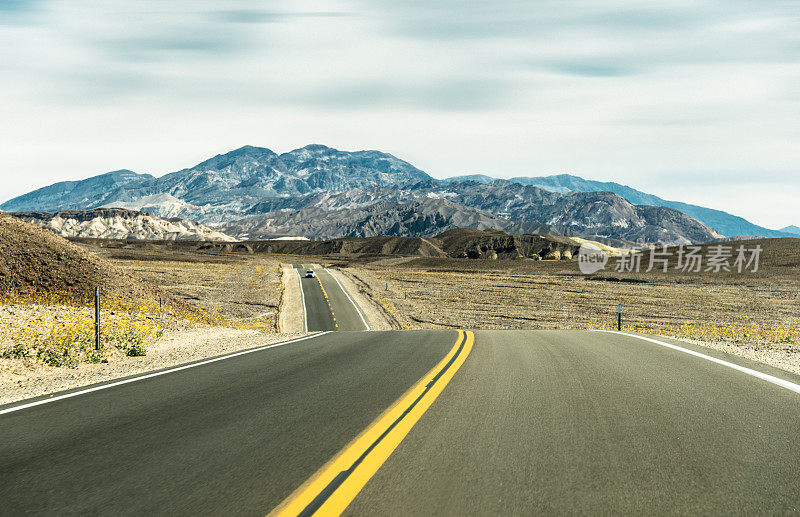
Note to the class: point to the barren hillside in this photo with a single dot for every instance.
(35, 260)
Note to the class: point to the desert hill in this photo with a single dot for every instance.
(470, 243)
(34, 260)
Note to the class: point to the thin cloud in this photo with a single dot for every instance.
(266, 16)
(589, 69)
(602, 88)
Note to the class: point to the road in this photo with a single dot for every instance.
(422, 422)
(232, 437)
(327, 305)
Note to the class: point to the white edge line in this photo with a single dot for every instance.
(351, 300)
(156, 374)
(303, 299)
(755, 373)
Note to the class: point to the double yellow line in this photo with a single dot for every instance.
(335, 485)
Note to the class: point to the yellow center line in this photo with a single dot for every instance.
(327, 300)
(332, 488)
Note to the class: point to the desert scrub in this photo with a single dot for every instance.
(244, 294)
(17, 351)
(131, 332)
(65, 340)
(59, 330)
(63, 335)
(788, 334)
(68, 339)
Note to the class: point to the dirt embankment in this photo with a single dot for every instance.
(377, 314)
(34, 260)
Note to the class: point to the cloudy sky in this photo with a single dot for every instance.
(691, 100)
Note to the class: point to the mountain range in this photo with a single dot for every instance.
(320, 192)
(792, 229)
(727, 224)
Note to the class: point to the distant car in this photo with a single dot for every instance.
(310, 273)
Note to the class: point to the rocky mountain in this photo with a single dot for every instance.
(480, 178)
(613, 220)
(792, 229)
(117, 223)
(116, 186)
(725, 223)
(226, 185)
(601, 214)
(424, 217)
(320, 192)
(431, 208)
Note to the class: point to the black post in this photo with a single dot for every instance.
(619, 317)
(97, 318)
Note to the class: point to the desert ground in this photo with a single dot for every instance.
(213, 305)
(752, 315)
(244, 296)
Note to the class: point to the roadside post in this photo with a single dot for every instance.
(97, 318)
(619, 317)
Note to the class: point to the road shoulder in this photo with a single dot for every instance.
(290, 308)
(376, 316)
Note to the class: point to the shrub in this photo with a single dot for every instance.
(136, 350)
(553, 255)
(64, 335)
(18, 351)
(68, 339)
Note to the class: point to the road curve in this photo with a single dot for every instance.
(327, 305)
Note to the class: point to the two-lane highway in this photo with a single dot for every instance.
(327, 305)
(418, 423)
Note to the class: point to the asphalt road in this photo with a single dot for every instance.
(555, 422)
(539, 422)
(327, 305)
(232, 437)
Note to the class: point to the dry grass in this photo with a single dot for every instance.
(64, 335)
(57, 329)
(242, 293)
(761, 312)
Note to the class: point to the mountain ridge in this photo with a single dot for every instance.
(310, 185)
(727, 224)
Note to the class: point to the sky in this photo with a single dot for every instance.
(697, 101)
